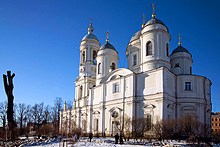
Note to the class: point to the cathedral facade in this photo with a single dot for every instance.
(157, 84)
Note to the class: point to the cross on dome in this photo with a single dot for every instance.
(90, 21)
(90, 28)
(107, 36)
(179, 43)
(143, 20)
(153, 11)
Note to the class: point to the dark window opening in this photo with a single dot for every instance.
(148, 122)
(83, 56)
(112, 67)
(96, 124)
(188, 86)
(177, 65)
(94, 57)
(149, 49)
(167, 49)
(99, 68)
(80, 92)
(134, 59)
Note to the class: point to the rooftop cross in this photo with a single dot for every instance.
(90, 28)
(179, 43)
(153, 9)
(90, 22)
(107, 36)
(143, 20)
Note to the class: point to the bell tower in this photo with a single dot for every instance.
(155, 46)
(89, 47)
(107, 60)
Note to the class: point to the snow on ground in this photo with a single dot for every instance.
(82, 142)
(103, 142)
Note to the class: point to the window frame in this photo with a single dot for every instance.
(83, 125)
(83, 57)
(149, 48)
(134, 60)
(112, 66)
(116, 88)
(148, 119)
(167, 50)
(99, 68)
(94, 55)
(80, 95)
(96, 124)
(188, 86)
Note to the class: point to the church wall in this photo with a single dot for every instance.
(106, 57)
(195, 102)
(169, 82)
(110, 108)
(110, 95)
(153, 82)
(159, 38)
(130, 86)
(123, 108)
(197, 86)
(134, 49)
(126, 85)
(153, 94)
(97, 95)
(184, 60)
(169, 91)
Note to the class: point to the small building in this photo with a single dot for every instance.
(215, 122)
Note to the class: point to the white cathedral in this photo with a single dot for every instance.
(157, 85)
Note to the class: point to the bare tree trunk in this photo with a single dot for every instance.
(8, 84)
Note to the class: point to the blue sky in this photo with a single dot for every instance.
(39, 39)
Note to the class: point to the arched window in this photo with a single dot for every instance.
(149, 48)
(134, 59)
(80, 92)
(96, 124)
(112, 67)
(83, 125)
(167, 50)
(148, 122)
(83, 56)
(94, 55)
(99, 68)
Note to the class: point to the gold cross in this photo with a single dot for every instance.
(179, 43)
(107, 36)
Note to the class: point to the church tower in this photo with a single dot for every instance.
(107, 60)
(149, 48)
(181, 60)
(89, 47)
(155, 45)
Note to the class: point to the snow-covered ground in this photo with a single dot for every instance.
(103, 142)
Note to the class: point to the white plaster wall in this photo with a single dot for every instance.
(134, 48)
(185, 61)
(153, 82)
(169, 82)
(106, 57)
(197, 101)
(97, 95)
(159, 36)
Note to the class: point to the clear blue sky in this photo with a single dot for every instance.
(39, 39)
